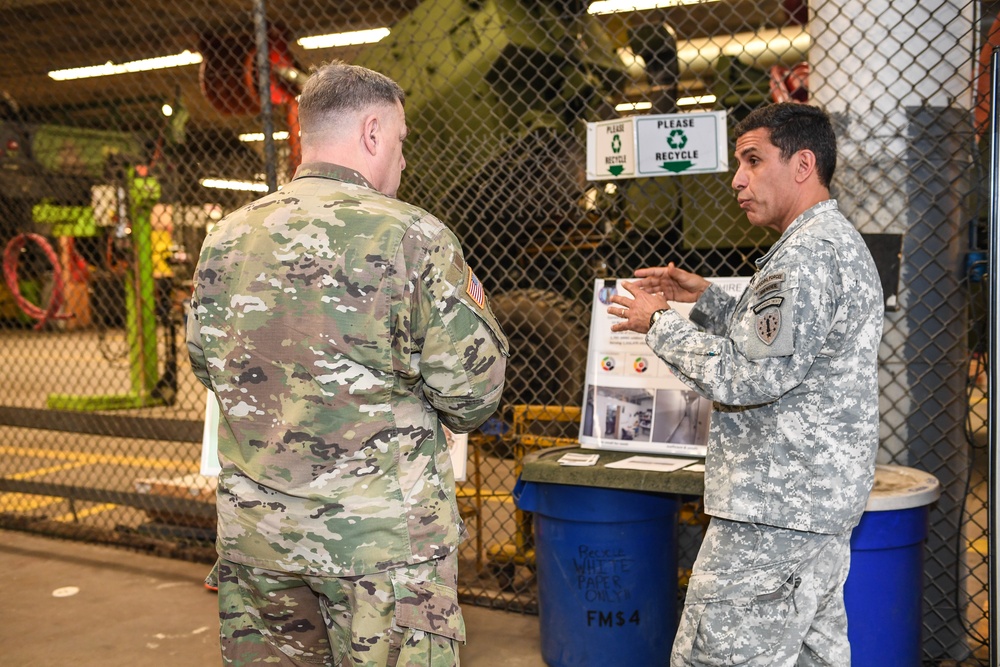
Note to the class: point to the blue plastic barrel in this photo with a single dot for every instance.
(884, 589)
(606, 566)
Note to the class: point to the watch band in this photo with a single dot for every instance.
(655, 316)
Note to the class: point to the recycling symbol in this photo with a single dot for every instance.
(677, 139)
(616, 143)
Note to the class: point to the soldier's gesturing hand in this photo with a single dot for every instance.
(637, 311)
(672, 283)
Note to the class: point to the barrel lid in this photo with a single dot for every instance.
(900, 488)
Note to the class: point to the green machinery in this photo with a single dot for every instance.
(498, 96)
(132, 234)
(65, 163)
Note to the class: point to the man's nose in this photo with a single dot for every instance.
(739, 181)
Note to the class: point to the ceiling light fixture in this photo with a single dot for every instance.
(634, 106)
(259, 136)
(109, 68)
(618, 6)
(343, 39)
(224, 184)
(696, 99)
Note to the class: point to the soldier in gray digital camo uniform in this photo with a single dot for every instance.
(792, 369)
(340, 329)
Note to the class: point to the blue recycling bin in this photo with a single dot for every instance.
(885, 586)
(606, 566)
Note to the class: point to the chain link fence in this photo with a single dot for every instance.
(109, 182)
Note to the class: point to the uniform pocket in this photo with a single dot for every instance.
(429, 606)
(742, 615)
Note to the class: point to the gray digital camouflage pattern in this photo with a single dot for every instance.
(765, 597)
(405, 617)
(338, 329)
(792, 368)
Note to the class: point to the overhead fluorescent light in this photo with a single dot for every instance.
(697, 99)
(109, 68)
(618, 6)
(634, 106)
(224, 184)
(681, 102)
(343, 38)
(259, 136)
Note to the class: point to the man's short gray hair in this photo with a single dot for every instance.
(337, 87)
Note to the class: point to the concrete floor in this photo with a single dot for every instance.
(69, 603)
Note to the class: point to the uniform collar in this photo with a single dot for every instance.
(332, 171)
(797, 224)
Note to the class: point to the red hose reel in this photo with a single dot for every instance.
(11, 256)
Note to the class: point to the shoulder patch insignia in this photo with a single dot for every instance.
(474, 288)
(768, 325)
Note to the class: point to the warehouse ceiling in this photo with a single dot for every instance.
(43, 35)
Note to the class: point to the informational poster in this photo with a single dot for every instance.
(632, 401)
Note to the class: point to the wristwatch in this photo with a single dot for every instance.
(655, 316)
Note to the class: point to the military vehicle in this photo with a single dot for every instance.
(498, 97)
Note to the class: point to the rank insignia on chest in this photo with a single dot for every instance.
(768, 324)
(474, 288)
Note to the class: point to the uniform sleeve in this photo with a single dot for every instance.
(463, 353)
(713, 309)
(771, 344)
(195, 349)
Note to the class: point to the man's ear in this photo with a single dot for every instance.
(805, 165)
(370, 133)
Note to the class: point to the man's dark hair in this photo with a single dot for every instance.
(795, 127)
(339, 87)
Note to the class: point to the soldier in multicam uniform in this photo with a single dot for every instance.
(340, 329)
(792, 368)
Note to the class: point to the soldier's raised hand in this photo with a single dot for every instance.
(673, 283)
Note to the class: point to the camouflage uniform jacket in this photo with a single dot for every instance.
(339, 328)
(792, 367)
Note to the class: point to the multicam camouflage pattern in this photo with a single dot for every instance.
(792, 367)
(408, 617)
(336, 327)
(765, 597)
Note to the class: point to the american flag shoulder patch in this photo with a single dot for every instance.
(474, 288)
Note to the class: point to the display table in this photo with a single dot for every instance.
(607, 554)
(542, 466)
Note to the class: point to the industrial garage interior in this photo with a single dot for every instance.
(129, 128)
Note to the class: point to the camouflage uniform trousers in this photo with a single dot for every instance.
(405, 617)
(761, 595)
